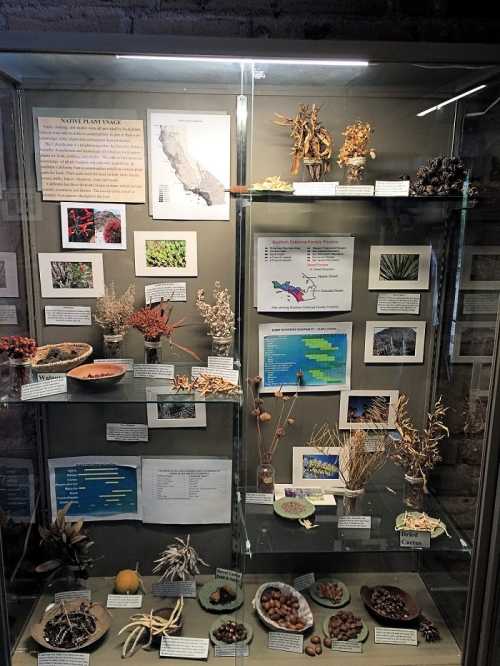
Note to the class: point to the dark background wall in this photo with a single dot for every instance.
(426, 20)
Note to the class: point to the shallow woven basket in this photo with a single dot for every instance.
(304, 608)
(84, 351)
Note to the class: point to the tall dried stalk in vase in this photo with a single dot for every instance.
(112, 314)
(219, 319)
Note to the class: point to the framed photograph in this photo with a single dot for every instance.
(71, 275)
(394, 341)
(184, 412)
(481, 269)
(474, 341)
(89, 226)
(166, 253)
(399, 267)
(354, 406)
(313, 469)
(9, 287)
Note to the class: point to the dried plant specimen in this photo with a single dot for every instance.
(356, 149)
(179, 561)
(148, 627)
(112, 312)
(18, 347)
(219, 317)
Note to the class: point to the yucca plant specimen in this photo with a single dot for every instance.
(399, 266)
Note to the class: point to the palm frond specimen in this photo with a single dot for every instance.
(399, 266)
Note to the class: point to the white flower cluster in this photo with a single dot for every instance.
(219, 317)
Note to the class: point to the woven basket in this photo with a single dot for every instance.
(83, 352)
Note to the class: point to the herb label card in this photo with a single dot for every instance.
(355, 522)
(40, 389)
(354, 191)
(68, 315)
(124, 601)
(398, 304)
(72, 594)
(412, 539)
(63, 659)
(279, 640)
(392, 188)
(304, 582)
(126, 432)
(127, 362)
(220, 362)
(169, 291)
(176, 588)
(259, 498)
(347, 646)
(184, 648)
(391, 636)
(234, 650)
(152, 371)
(229, 574)
(8, 314)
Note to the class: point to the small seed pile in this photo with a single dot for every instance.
(314, 648)
(231, 632)
(292, 506)
(282, 608)
(330, 591)
(70, 630)
(389, 604)
(222, 595)
(344, 626)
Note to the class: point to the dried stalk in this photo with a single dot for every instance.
(154, 625)
(179, 560)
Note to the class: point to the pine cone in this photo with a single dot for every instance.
(429, 630)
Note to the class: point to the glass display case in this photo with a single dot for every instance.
(249, 322)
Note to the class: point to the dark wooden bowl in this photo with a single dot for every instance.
(413, 610)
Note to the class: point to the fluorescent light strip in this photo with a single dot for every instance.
(449, 101)
(259, 61)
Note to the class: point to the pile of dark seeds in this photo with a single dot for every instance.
(70, 629)
(429, 630)
(344, 626)
(441, 176)
(389, 604)
(231, 632)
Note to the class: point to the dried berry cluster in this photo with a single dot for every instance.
(112, 312)
(18, 346)
(441, 176)
(219, 317)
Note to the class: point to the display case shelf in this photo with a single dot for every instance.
(277, 197)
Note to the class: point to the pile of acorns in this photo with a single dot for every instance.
(330, 591)
(282, 608)
(389, 604)
(231, 632)
(441, 176)
(222, 595)
(344, 626)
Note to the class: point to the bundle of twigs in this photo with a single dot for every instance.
(179, 560)
(152, 626)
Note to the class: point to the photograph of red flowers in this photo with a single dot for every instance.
(86, 225)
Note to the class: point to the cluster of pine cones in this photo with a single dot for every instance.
(441, 176)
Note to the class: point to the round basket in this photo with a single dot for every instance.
(304, 608)
(83, 351)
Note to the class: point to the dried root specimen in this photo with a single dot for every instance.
(356, 149)
(145, 627)
(205, 385)
(179, 560)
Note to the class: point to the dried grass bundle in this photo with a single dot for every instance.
(112, 311)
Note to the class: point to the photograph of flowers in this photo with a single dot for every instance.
(394, 341)
(93, 226)
(166, 253)
(481, 269)
(8, 275)
(163, 412)
(399, 267)
(474, 341)
(71, 275)
(356, 404)
(313, 468)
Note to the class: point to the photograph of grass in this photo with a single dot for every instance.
(8, 275)
(399, 267)
(474, 341)
(313, 468)
(94, 225)
(71, 275)
(166, 253)
(394, 341)
(481, 268)
(357, 408)
(182, 411)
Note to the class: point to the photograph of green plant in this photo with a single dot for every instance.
(71, 274)
(399, 266)
(166, 253)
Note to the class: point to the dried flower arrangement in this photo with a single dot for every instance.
(67, 545)
(18, 347)
(219, 317)
(312, 143)
(150, 626)
(355, 150)
(179, 561)
(112, 312)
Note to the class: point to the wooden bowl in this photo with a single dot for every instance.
(413, 610)
(83, 351)
(103, 622)
(304, 608)
(110, 373)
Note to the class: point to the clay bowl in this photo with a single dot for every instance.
(165, 612)
(413, 610)
(103, 622)
(98, 375)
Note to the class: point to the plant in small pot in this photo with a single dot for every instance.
(67, 546)
(219, 318)
(112, 314)
(179, 561)
(355, 150)
(417, 452)
(155, 322)
(20, 351)
(284, 409)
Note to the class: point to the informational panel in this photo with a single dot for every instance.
(17, 488)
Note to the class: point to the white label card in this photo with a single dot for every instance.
(154, 371)
(395, 636)
(323, 189)
(72, 594)
(124, 601)
(392, 188)
(184, 648)
(168, 291)
(374, 443)
(8, 314)
(304, 582)
(232, 376)
(414, 539)
(68, 315)
(63, 659)
(40, 389)
(229, 574)
(45, 376)
(347, 646)
(126, 432)
(220, 362)
(259, 498)
(279, 640)
(354, 522)
(127, 362)
(234, 650)
(176, 588)
(354, 191)
(398, 304)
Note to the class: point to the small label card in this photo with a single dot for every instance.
(374, 443)
(398, 304)
(154, 371)
(40, 389)
(124, 601)
(259, 498)
(413, 539)
(127, 362)
(232, 376)
(347, 646)
(279, 640)
(486, 303)
(176, 588)
(355, 522)
(63, 659)
(45, 376)
(314, 189)
(220, 362)
(234, 650)
(68, 315)
(229, 574)
(72, 594)
(392, 188)
(304, 582)
(8, 314)
(184, 648)
(391, 636)
(168, 291)
(126, 432)
(354, 190)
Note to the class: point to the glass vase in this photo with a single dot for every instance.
(352, 501)
(265, 476)
(355, 168)
(20, 373)
(222, 346)
(413, 494)
(112, 346)
(152, 352)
